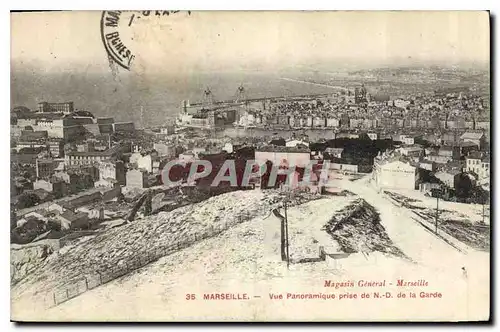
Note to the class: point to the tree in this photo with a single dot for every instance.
(482, 197)
(464, 187)
(27, 199)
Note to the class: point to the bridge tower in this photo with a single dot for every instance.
(208, 97)
(241, 95)
(184, 106)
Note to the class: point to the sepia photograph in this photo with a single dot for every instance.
(250, 166)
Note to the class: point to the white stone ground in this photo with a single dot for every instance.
(246, 259)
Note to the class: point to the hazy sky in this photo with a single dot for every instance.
(215, 40)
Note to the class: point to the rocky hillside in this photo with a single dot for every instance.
(147, 236)
(357, 228)
(24, 260)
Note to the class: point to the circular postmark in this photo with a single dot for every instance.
(113, 43)
(116, 29)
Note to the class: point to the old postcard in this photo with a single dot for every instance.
(199, 166)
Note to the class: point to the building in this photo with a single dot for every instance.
(75, 182)
(295, 142)
(76, 158)
(67, 128)
(56, 148)
(87, 146)
(369, 123)
(405, 139)
(136, 179)
(468, 147)
(167, 130)
(30, 135)
(450, 138)
(106, 120)
(334, 152)
(478, 164)
(45, 167)
(486, 166)
(85, 158)
(187, 157)
(72, 220)
(453, 152)
(401, 103)
(431, 139)
(31, 145)
(346, 168)
(408, 140)
(450, 178)
(346, 135)
(332, 122)
(86, 170)
(473, 162)
(427, 165)
(360, 94)
(302, 122)
(438, 159)
(426, 187)
(71, 179)
(111, 173)
(284, 156)
(92, 128)
(85, 198)
(95, 214)
(105, 125)
(164, 150)
(15, 131)
(482, 125)
(309, 121)
(349, 97)
(319, 122)
(412, 151)
(476, 138)
(356, 123)
(26, 156)
(282, 120)
(395, 174)
(65, 108)
(148, 162)
(196, 121)
(39, 216)
(55, 186)
(123, 127)
(228, 147)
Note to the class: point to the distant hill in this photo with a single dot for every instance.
(432, 73)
